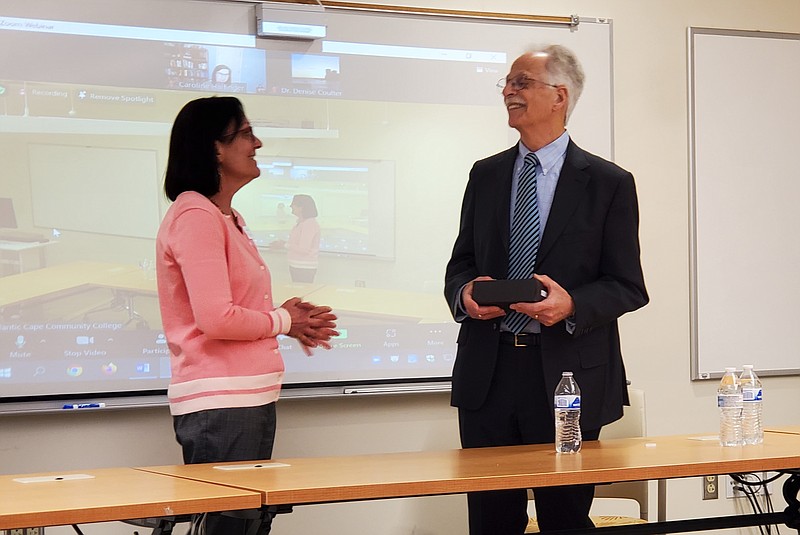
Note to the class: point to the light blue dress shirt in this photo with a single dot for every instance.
(551, 160)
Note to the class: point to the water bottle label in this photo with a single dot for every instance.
(567, 402)
(724, 401)
(752, 394)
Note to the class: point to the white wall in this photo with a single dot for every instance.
(651, 141)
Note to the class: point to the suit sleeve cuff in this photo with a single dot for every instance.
(460, 313)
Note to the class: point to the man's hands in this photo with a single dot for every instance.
(557, 306)
(476, 311)
(312, 325)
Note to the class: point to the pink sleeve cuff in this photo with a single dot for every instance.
(281, 321)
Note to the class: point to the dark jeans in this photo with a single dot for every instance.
(519, 410)
(242, 434)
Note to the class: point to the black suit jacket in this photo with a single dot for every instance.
(590, 246)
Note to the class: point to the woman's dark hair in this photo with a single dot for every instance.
(192, 163)
(308, 207)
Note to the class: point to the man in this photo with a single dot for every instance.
(584, 235)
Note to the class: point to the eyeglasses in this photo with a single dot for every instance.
(246, 133)
(518, 83)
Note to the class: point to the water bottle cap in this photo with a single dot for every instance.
(566, 374)
(730, 370)
(747, 366)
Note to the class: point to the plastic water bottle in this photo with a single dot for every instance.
(729, 401)
(752, 395)
(567, 405)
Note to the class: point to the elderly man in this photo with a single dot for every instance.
(546, 209)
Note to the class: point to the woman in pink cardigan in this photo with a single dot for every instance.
(216, 299)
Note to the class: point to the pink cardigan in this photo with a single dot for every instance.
(217, 311)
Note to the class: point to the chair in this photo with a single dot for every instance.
(628, 495)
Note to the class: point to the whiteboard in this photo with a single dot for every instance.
(744, 138)
(380, 121)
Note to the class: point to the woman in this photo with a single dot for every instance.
(215, 297)
(302, 249)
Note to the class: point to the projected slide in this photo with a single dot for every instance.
(378, 129)
(79, 309)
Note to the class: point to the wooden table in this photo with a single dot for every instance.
(125, 493)
(110, 494)
(363, 477)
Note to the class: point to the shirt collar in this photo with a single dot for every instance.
(550, 154)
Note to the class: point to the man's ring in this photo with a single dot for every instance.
(480, 316)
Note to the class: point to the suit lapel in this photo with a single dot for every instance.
(571, 186)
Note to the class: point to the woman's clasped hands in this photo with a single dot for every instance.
(312, 325)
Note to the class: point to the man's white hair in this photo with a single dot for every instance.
(563, 68)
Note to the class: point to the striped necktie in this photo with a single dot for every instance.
(524, 240)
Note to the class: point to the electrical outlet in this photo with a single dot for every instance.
(710, 487)
(733, 488)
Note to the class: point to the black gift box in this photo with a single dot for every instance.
(502, 293)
